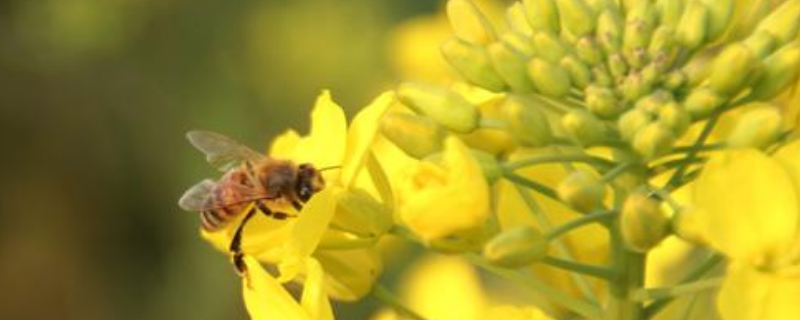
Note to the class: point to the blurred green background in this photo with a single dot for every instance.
(95, 98)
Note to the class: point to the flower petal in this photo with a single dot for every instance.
(314, 299)
(361, 135)
(750, 294)
(444, 288)
(265, 298)
(307, 232)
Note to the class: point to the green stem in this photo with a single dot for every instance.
(581, 307)
(675, 291)
(563, 229)
(695, 149)
(558, 158)
(533, 185)
(385, 296)
(712, 261)
(618, 170)
(494, 124)
(629, 268)
(585, 269)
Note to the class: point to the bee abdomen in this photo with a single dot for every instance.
(212, 221)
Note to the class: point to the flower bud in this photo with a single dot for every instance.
(761, 44)
(634, 87)
(609, 31)
(588, 51)
(578, 72)
(653, 140)
(468, 23)
(783, 22)
(542, 15)
(675, 80)
(584, 128)
(519, 43)
(601, 76)
(632, 122)
(549, 78)
(489, 139)
(602, 102)
(515, 17)
(732, 69)
(692, 31)
(636, 37)
(701, 102)
(511, 66)
(781, 69)
(359, 213)
(756, 128)
(687, 225)
(651, 74)
(549, 46)
(672, 115)
(617, 66)
(582, 191)
(417, 136)
(669, 12)
(516, 247)
(576, 16)
(472, 62)
(444, 106)
(526, 121)
(662, 43)
(654, 101)
(642, 222)
(697, 70)
(719, 15)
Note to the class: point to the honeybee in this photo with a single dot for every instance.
(251, 180)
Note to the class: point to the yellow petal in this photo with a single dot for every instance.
(350, 273)
(284, 145)
(750, 294)
(307, 232)
(265, 298)
(325, 144)
(314, 299)
(444, 288)
(747, 205)
(514, 313)
(361, 136)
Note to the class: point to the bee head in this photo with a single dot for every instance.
(309, 181)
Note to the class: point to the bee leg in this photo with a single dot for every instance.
(282, 215)
(297, 206)
(236, 245)
(263, 208)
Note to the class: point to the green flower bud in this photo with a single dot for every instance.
(549, 46)
(642, 222)
(588, 51)
(542, 15)
(669, 12)
(732, 69)
(662, 43)
(637, 37)
(468, 23)
(697, 70)
(549, 78)
(609, 31)
(417, 136)
(781, 69)
(719, 15)
(515, 16)
(511, 66)
(632, 122)
(516, 247)
(579, 73)
(761, 44)
(472, 62)
(617, 66)
(519, 43)
(582, 191)
(601, 76)
(584, 128)
(526, 121)
(602, 5)
(653, 102)
(634, 87)
(675, 80)
(576, 16)
(444, 106)
(693, 31)
(602, 102)
(783, 22)
(672, 115)
(643, 11)
(651, 74)
(653, 140)
(701, 102)
(359, 213)
(756, 128)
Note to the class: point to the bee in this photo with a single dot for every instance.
(252, 182)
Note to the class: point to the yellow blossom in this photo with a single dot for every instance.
(752, 294)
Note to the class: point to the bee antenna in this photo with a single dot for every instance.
(329, 168)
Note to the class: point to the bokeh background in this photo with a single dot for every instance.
(95, 98)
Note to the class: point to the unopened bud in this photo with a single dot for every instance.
(719, 15)
(693, 31)
(636, 38)
(697, 70)
(584, 128)
(444, 106)
(761, 44)
(651, 75)
(515, 16)
(549, 78)
(653, 140)
(519, 43)
(632, 122)
(359, 213)
(617, 66)
(674, 117)
(516, 247)
(675, 80)
(582, 191)
(549, 46)
(634, 87)
(469, 23)
(526, 121)
(579, 73)
(783, 22)
(588, 51)
(669, 12)
(781, 69)
(756, 128)
(602, 102)
(701, 102)
(601, 76)
(542, 15)
(662, 43)
(417, 136)
(472, 62)
(609, 31)
(643, 224)
(732, 69)
(511, 66)
(653, 102)
(576, 16)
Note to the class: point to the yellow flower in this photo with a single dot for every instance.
(752, 294)
(437, 200)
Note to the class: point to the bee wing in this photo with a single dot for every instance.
(198, 197)
(222, 152)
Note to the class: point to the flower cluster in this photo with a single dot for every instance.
(587, 147)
